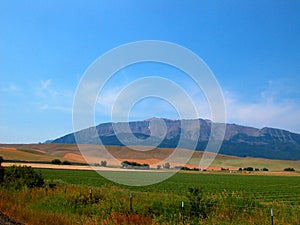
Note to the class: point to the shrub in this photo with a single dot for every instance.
(289, 169)
(1, 174)
(1, 170)
(22, 176)
(201, 206)
(65, 163)
(185, 168)
(145, 166)
(103, 163)
(56, 161)
(249, 169)
(85, 198)
(167, 165)
(134, 165)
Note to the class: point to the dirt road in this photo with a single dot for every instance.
(5, 220)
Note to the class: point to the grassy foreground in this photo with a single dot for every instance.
(227, 199)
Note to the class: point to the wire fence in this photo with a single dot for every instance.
(193, 207)
(189, 212)
(232, 208)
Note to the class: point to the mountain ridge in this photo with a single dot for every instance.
(242, 141)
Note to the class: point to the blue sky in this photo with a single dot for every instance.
(252, 47)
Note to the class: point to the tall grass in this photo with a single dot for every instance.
(180, 200)
(74, 204)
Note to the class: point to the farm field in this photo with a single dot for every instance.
(263, 188)
(48, 152)
(84, 197)
(76, 194)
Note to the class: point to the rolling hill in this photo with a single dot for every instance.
(46, 152)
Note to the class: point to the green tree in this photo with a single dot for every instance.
(103, 163)
(249, 169)
(1, 174)
(289, 169)
(1, 170)
(167, 165)
(56, 161)
(1, 160)
(22, 176)
(66, 163)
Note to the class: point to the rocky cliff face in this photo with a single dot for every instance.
(238, 141)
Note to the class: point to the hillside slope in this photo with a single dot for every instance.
(48, 152)
(239, 140)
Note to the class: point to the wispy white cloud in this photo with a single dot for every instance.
(50, 97)
(269, 111)
(115, 100)
(10, 88)
(106, 100)
(45, 90)
(46, 83)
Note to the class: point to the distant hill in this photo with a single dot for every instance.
(47, 142)
(45, 153)
(239, 140)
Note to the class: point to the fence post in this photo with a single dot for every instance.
(91, 193)
(182, 211)
(130, 202)
(272, 217)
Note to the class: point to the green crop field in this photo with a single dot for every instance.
(265, 188)
(85, 197)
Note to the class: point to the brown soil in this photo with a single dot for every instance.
(158, 156)
(74, 157)
(7, 149)
(5, 220)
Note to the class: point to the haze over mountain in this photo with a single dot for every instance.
(239, 140)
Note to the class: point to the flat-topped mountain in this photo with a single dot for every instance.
(164, 133)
